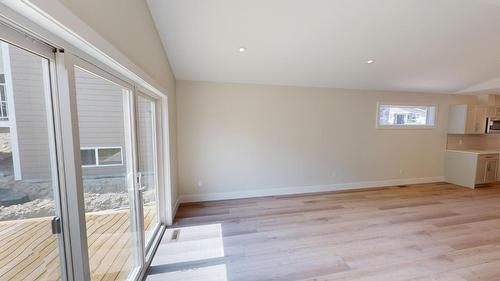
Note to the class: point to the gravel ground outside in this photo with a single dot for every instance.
(100, 194)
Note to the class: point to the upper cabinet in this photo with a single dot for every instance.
(494, 111)
(470, 119)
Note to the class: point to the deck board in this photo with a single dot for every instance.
(29, 251)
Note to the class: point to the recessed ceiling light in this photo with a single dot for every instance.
(370, 61)
(242, 49)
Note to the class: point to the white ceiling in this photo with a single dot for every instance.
(418, 45)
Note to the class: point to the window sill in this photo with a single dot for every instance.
(405, 127)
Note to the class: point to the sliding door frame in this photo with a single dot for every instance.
(163, 172)
(12, 36)
(154, 100)
(163, 153)
(70, 138)
(143, 249)
(27, 24)
(28, 18)
(129, 94)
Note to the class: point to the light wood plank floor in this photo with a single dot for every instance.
(421, 232)
(29, 251)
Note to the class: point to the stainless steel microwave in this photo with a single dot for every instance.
(493, 126)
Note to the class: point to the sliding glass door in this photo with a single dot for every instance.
(79, 187)
(107, 172)
(147, 166)
(118, 155)
(31, 239)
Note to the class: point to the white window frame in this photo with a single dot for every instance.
(96, 150)
(406, 126)
(11, 123)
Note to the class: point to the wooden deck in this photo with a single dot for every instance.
(29, 251)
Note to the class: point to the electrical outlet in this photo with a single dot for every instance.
(334, 174)
(460, 141)
(200, 183)
(401, 171)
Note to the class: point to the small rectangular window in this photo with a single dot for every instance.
(406, 116)
(4, 114)
(110, 156)
(101, 156)
(88, 157)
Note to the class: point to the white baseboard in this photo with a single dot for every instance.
(185, 198)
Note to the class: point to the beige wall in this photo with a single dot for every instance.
(238, 137)
(128, 26)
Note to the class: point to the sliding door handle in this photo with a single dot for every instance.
(140, 186)
(56, 225)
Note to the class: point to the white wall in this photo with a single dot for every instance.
(244, 139)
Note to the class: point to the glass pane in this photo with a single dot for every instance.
(3, 103)
(110, 156)
(147, 164)
(2, 92)
(28, 173)
(102, 112)
(88, 157)
(406, 115)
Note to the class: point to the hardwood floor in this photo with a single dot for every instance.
(421, 232)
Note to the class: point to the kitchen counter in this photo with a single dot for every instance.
(471, 167)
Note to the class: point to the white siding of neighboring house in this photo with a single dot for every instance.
(101, 118)
(100, 114)
(31, 117)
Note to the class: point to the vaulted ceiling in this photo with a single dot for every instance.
(417, 45)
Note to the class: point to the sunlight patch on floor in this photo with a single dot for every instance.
(209, 273)
(193, 243)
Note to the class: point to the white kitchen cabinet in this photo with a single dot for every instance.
(471, 167)
(486, 171)
(468, 119)
(491, 171)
